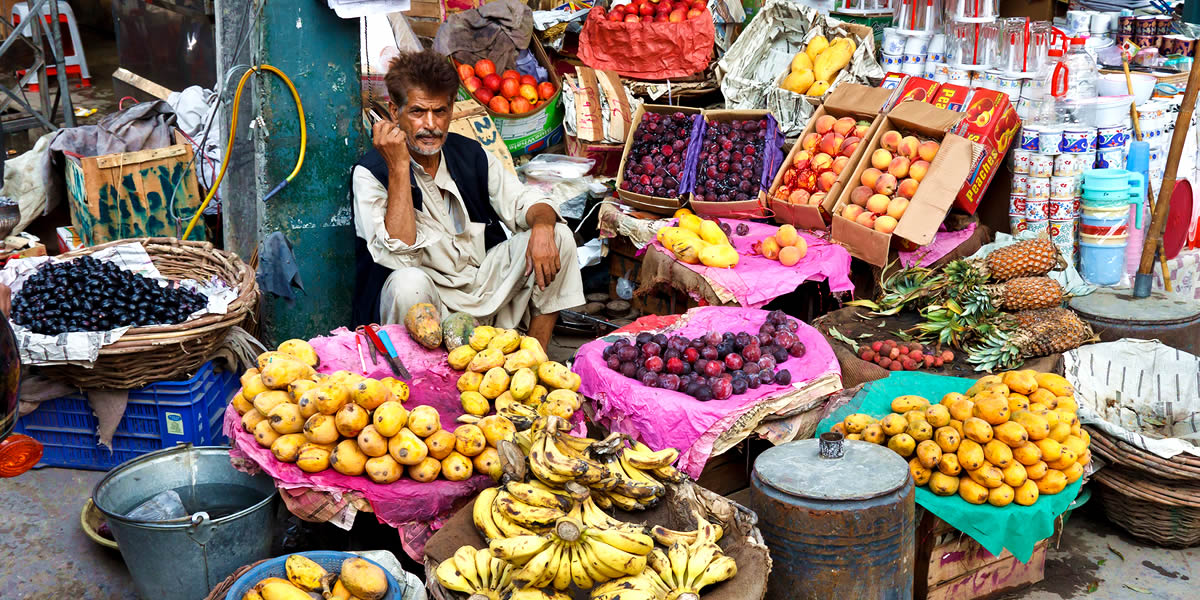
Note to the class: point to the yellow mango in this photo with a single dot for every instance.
(474, 403)
(351, 419)
(348, 459)
(424, 421)
(486, 360)
(948, 464)
(951, 398)
(1001, 495)
(801, 62)
(406, 448)
(1052, 483)
(1051, 450)
(1012, 434)
(903, 404)
(938, 415)
(920, 472)
(481, 336)
(1017, 402)
(1037, 470)
(383, 469)
(241, 404)
(285, 418)
(711, 233)
(495, 382)
(992, 408)
(457, 467)
(371, 442)
(1034, 425)
(469, 381)
(252, 384)
(997, 453)
(313, 460)
(427, 470)
(1055, 383)
(943, 484)
(688, 250)
(440, 444)
(460, 357)
(856, 422)
(920, 430)
(1021, 382)
(534, 346)
(962, 409)
(1073, 472)
(301, 351)
(972, 492)
(947, 438)
(251, 419)
(798, 80)
(978, 430)
(720, 256)
(893, 424)
(521, 359)
(370, 393)
(970, 455)
(278, 373)
(389, 418)
(1015, 474)
(506, 341)
(496, 428)
(902, 444)
(928, 453)
(816, 46)
(264, 434)
(1027, 454)
(983, 383)
(691, 223)
(554, 375)
(874, 433)
(1027, 493)
(1044, 397)
(469, 440)
(988, 475)
(286, 448)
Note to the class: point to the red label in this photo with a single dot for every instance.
(950, 97)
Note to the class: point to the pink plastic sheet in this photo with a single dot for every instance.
(662, 418)
(756, 280)
(403, 502)
(944, 242)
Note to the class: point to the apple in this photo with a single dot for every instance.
(677, 16)
(661, 18)
(484, 68)
(510, 87)
(646, 10)
(529, 92)
(472, 84)
(616, 15)
(511, 74)
(695, 12)
(529, 80)
(499, 104)
(520, 105)
(546, 89)
(491, 81)
(465, 72)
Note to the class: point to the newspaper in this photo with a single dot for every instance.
(1140, 391)
(83, 348)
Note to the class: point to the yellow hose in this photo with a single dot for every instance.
(237, 97)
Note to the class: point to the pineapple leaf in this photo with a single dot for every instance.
(837, 335)
(863, 304)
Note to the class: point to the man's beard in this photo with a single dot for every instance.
(441, 135)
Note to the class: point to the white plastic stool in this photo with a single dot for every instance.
(72, 45)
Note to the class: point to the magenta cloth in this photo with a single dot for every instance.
(757, 280)
(433, 383)
(944, 242)
(662, 418)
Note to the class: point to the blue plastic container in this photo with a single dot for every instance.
(1111, 219)
(157, 416)
(1101, 264)
(1106, 179)
(331, 561)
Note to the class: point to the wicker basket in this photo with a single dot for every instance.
(1181, 467)
(145, 355)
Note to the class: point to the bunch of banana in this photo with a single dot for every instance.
(688, 568)
(473, 572)
(574, 553)
(646, 585)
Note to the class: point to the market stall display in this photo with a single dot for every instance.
(662, 138)
(653, 40)
(738, 152)
(701, 241)
(967, 503)
(821, 61)
(663, 418)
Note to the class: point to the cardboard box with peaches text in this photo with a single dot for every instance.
(934, 193)
(991, 121)
(857, 102)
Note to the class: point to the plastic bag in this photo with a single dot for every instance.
(161, 507)
(552, 168)
(647, 50)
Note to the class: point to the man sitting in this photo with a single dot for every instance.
(431, 210)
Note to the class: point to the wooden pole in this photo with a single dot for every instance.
(1163, 206)
(1137, 130)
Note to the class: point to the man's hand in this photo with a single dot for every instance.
(392, 143)
(541, 255)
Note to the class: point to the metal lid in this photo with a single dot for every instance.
(1160, 309)
(865, 471)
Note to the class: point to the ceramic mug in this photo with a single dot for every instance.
(1068, 164)
(1020, 183)
(1016, 223)
(1017, 204)
(1111, 137)
(1029, 138)
(1062, 186)
(893, 41)
(1038, 188)
(1062, 231)
(1062, 208)
(1037, 210)
(892, 61)
(1040, 228)
(1020, 161)
(1041, 165)
(1050, 140)
(1078, 140)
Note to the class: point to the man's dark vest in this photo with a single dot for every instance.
(468, 167)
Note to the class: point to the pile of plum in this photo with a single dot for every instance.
(714, 366)
(731, 161)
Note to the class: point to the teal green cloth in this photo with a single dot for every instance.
(1014, 527)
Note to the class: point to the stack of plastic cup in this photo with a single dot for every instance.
(1105, 223)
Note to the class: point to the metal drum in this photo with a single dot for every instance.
(838, 517)
(1116, 314)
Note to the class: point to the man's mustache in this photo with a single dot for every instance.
(427, 133)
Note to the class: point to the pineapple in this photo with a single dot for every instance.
(1030, 334)
(1025, 293)
(1027, 258)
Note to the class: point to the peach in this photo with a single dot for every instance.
(878, 204)
(885, 224)
(844, 126)
(786, 236)
(831, 142)
(908, 147)
(847, 142)
(928, 150)
(907, 188)
(851, 211)
(860, 129)
(890, 140)
(798, 197)
(800, 162)
(810, 142)
(824, 124)
(899, 167)
(870, 176)
(821, 162)
(826, 180)
(897, 207)
(866, 219)
(860, 195)
(839, 164)
(918, 169)
(816, 199)
(790, 255)
(849, 148)
(886, 184)
(770, 248)
(881, 158)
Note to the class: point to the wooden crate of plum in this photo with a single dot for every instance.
(739, 152)
(808, 184)
(654, 173)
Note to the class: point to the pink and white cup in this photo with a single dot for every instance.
(1020, 159)
(1060, 209)
(1016, 204)
(1069, 164)
(1037, 210)
(1020, 183)
(1041, 165)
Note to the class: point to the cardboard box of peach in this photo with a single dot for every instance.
(912, 173)
(811, 179)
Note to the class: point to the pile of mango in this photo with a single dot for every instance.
(357, 578)
(698, 241)
(814, 69)
(357, 425)
(1010, 438)
(512, 373)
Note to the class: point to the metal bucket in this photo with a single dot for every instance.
(229, 522)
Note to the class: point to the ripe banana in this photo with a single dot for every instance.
(562, 572)
(660, 564)
(519, 550)
(579, 571)
(640, 476)
(452, 579)
(473, 572)
(539, 465)
(508, 528)
(538, 496)
(536, 568)
(666, 537)
(699, 561)
(669, 474)
(481, 513)
(642, 457)
(720, 569)
(528, 515)
(677, 554)
(619, 560)
(597, 570)
(464, 560)
(633, 543)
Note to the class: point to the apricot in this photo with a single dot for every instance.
(790, 255)
(890, 140)
(786, 236)
(844, 126)
(826, 180)
(881, 158)
(918, 169)
(839, 164)
(885, 224)
(907, 188)
(878, 204)
(866, 219)
(899, 167)
(897, 207)
(798, 197)
(810, 142)
(824, 124)
(908, 147)
(831, 143)
(886, 184)
(928, 150)
(870, 176)
(861, 194)
(770, 248)
(851, 211)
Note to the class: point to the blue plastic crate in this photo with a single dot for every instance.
(157, 416)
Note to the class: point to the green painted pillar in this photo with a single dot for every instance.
(320, 53)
